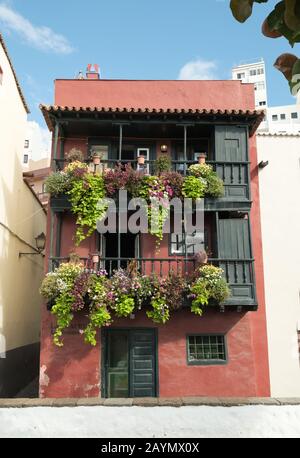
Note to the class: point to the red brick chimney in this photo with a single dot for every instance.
(93, 72)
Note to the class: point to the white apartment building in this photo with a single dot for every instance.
(279, 119)
(37, 146)
(254, 72)
(282, 120)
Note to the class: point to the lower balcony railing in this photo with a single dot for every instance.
(239, 273)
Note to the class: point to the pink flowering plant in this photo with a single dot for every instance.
(74, 289)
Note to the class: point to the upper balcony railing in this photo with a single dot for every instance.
(234, 174)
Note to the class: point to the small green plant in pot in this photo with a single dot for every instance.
(213, 184)
(193, 188)
(162, 164)
(75, 155)
(210, 284)
(57, 183)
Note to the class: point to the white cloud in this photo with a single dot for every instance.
(40, 37)
(198, 70)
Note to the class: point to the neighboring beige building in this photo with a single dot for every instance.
(279, 183)
(36, 176)
(22, 218)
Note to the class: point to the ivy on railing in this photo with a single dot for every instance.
(72, 288)
(87, 191)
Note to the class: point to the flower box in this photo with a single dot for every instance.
(60, 203)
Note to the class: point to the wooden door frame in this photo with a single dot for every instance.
(104, 356)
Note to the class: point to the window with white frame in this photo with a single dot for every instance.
(25, 159)
(194, 243)
(144, 152)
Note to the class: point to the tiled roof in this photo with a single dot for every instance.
(279, 134)
(14, 73)
(256, 116)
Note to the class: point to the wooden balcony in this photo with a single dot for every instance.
(235, 176)
(239, 274)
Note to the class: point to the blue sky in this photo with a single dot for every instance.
(134, 39)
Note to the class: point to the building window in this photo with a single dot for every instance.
(294, 115)
(1, 75)
(194, 243)
(252, 72)
(260, 85)
(262, 103)
(25, 159)
(260, 71)
(282, 116)
(26, 145)
(274, 118)
(240, 76)
(206, 349)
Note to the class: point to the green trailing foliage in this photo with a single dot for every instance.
(193, 188)
(210, 284)
(128, 291)
(87, 192)
(213, 184)
(88, 204)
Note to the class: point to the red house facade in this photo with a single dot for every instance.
(222, 353)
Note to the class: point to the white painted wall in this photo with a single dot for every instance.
(280, 217)
(151, 422)
(21, 219)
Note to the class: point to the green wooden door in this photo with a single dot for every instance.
(232, 154)
(130, 363)
(142, 363)
(234, 248)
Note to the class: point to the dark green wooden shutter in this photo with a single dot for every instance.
(231, 146)
(142, 361)
(235, 254)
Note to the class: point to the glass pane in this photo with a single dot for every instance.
(118, 365)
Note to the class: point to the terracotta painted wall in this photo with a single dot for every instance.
(258, 319)
(216, 95)
(75, 369)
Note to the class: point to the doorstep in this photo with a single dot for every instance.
(147, 402)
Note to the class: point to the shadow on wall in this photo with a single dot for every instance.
(19, 283)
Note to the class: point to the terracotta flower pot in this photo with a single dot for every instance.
(96, 160)
(202, 158)
(95, 258)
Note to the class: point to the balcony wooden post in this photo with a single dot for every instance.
(185, 148)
